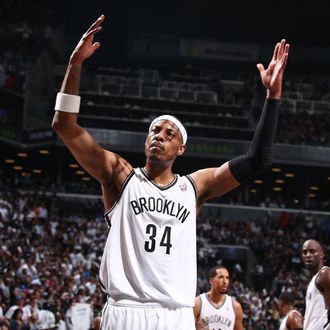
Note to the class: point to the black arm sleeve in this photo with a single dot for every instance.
(260, 154)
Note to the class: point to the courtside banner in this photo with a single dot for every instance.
(218, 50)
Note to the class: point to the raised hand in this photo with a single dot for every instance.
(272, 77)
(86, 47)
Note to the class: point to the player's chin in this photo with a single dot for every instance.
(308, 262)
(309, 265)
(154, 156)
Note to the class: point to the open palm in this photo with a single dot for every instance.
(86, 47)
(272, 76)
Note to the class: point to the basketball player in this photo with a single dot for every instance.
(318, 291)
(292, 319)
(148, 267)
(215, 309)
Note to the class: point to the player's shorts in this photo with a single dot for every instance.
(128, 315)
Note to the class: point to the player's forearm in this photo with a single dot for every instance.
(260, 154)
(65, 117)
(71, 81)
(263, 138)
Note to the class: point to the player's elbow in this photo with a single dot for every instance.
(263, 164)
(264, 159)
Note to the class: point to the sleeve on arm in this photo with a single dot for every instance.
(260, 154)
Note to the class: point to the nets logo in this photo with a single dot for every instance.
(183, 187)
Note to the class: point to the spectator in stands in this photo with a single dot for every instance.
(31, 313)
(139, 193)
(79, 316)
(59, 319)
(16, 322)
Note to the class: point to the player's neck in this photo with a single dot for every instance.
(321, 265)
(160, 175)
(315, 270)
(217, 298)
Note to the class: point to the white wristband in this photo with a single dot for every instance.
(67, 103)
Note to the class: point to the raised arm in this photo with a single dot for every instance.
(214, 182)
(103, 165)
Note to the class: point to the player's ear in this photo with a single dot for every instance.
(181, 149)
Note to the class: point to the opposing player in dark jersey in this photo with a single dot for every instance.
(216, 309)
(148, 266)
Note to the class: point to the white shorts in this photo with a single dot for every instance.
(138, 316)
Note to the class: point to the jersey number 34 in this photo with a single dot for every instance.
(165, 240)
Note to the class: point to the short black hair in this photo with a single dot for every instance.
(213, 270)
(287, 297)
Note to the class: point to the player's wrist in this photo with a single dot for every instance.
(274, 95)
(75, 60)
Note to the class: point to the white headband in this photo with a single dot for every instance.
(175, 121)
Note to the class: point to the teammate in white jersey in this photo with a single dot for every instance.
(318, 291)
(292, 319)
(148, 266)
(215, 309)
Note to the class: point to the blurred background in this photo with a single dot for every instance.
(193, 59)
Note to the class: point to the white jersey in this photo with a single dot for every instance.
(46, 319)
(283, 324)
(315, 314)
(79, 317)
(150, 253)
(212, 317)
(11, 311)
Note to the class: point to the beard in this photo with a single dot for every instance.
(224, 290)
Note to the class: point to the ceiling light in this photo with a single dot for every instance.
(289, 175)
(276, 169)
